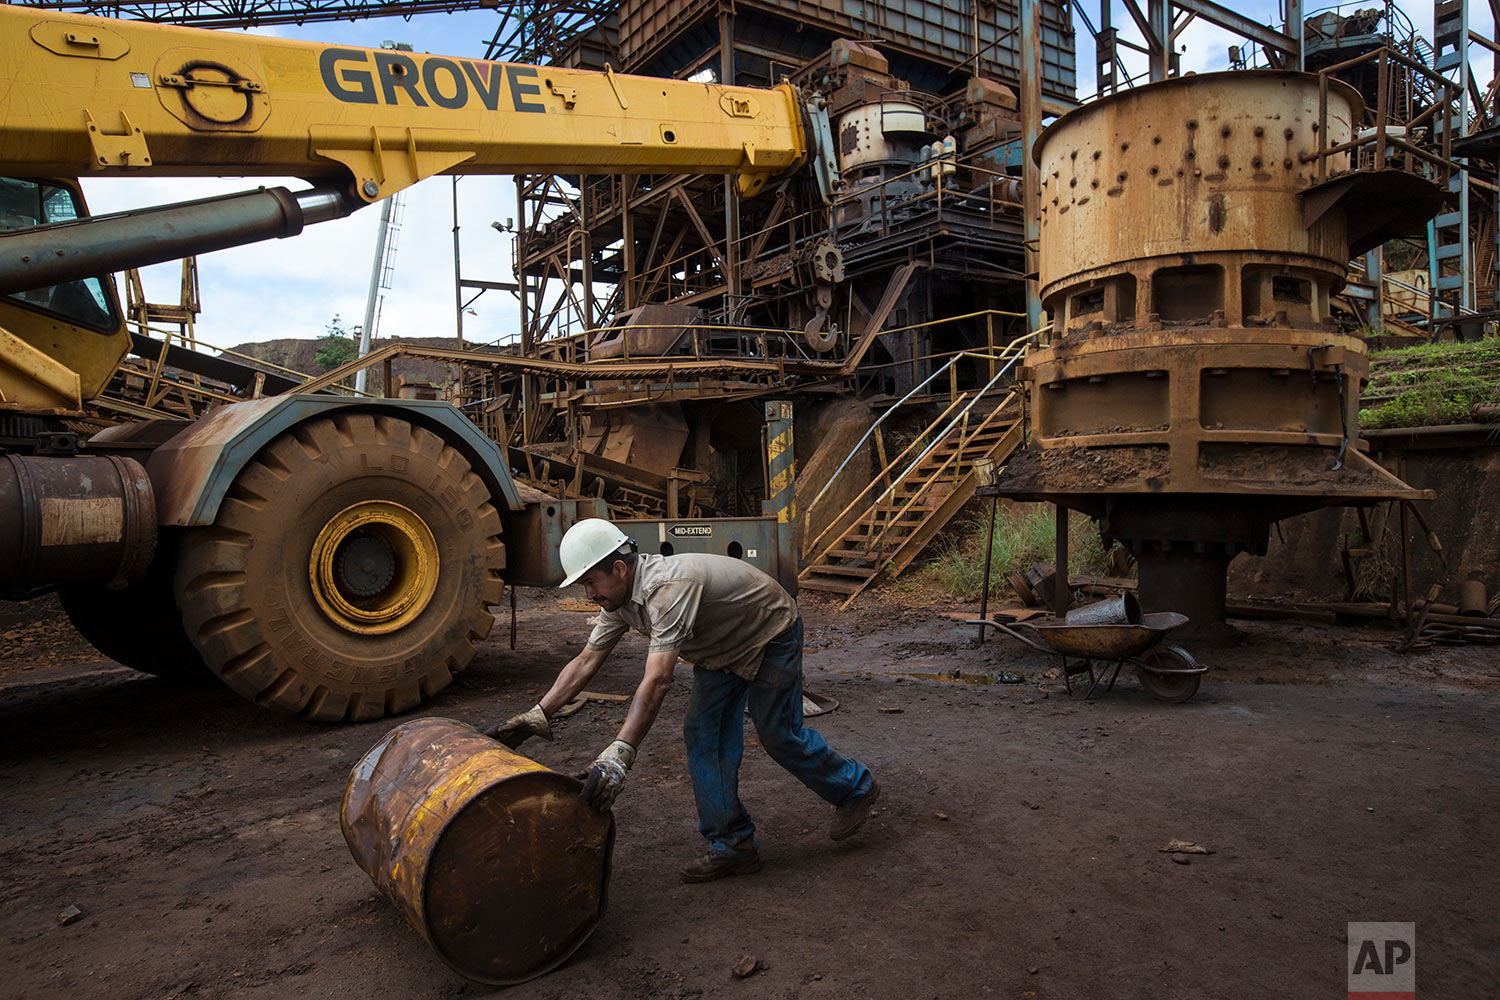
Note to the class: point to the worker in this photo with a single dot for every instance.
(743, 634)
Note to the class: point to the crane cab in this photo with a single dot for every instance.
(65, 341)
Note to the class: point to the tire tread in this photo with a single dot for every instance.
(222, 609)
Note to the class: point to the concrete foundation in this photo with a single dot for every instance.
(1305, 556)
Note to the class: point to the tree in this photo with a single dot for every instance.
(337, 346)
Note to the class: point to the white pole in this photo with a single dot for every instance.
(367, 330)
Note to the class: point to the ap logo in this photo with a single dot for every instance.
(1382, 961)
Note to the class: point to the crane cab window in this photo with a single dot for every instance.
(84, 302)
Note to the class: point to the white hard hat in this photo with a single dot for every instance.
(586, 545)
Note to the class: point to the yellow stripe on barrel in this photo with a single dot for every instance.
(490, 856)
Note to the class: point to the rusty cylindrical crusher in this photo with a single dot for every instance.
(1194, 387)
(491, 857)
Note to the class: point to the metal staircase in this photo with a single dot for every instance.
(908, 502)
(1359, 298)
(1448, 235)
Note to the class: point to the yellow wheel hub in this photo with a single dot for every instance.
(374, 567)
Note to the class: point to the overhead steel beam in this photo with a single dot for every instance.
(1241, 25)
(527, 33)
(240, 13)
(708, 240)
(1143, 23)
(1159, 29)
(1179, 26)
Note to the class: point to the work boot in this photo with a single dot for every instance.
(715, 864)
(850, 816)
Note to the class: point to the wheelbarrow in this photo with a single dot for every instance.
(1168, 673)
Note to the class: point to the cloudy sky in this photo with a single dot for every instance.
(294, 287)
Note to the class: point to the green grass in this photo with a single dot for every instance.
(1431, 383)
(1441, 351)
(1024, 534)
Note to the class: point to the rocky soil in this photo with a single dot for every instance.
(1016, 852)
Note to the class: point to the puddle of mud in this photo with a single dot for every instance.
(1004, 677)
(947, 677)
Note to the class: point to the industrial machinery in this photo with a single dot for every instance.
(1194, 389)
(333, 556)
(914, 266)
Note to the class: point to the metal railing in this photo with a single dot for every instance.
(147, 383)
(1418, 292)
(698, 273)
(1011, 354)
(1385, 143)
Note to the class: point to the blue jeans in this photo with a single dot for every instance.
(714, 732)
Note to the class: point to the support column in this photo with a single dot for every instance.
(781, 474)
(1062, 594)
(586, 249)
(523, 292)
(731, 193)
(1183, 546)
(1031, 129)
(1189, 580)
(1159, 17)
(627, 224)
(1104, 53)
(1374, 274)
(1294, 28)
(528, 336)
(781, 494)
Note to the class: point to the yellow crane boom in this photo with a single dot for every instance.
(86, 95)
(408, 493)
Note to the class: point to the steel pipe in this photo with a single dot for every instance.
(43, 256)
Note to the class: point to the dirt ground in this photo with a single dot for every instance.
(1015, 852)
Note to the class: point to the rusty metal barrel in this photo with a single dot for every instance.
(491, 857)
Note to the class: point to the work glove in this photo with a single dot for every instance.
(519, 728)
(607, 775)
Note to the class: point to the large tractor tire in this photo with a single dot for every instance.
(140, 625)
(349, 572)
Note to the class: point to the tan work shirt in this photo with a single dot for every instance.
(715, 611)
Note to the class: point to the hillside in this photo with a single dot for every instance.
(300, 356)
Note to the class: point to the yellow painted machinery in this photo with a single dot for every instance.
(330, 556)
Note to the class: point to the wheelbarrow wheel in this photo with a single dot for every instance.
(1172, 688)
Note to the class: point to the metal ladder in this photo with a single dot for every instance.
(907, 503)
(1451, 262)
